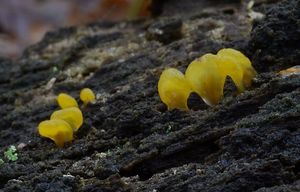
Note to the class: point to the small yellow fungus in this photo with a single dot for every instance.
(207, 75)
(206, 78)
(238, 66)
(73, 116)
(64, 101)
(57, 130)
(87, 96)
(174, 89)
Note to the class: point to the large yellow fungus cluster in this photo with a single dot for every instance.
(63, 123)
(206, 76)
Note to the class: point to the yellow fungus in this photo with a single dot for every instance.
(71, 115)
(242, 71)
(206, 78)
(65, 101)
(57, 130)
(228, 66)
(173, 89)
(87, 96)
(207, 75)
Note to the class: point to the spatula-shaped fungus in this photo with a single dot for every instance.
(174, 89)
(238, 67)
(64, 101)
(57, 130)
(73, 116)
(206, 78)
(87, 96)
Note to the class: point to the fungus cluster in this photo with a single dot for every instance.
(206, 76)
(64, 122)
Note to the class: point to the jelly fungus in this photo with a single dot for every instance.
(73, 116)
(206, 76)
(57, 130)
(87, 96)
(64, 101)
(243, 67)
(174, 89)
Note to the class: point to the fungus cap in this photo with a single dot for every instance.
(174, 89)
(57, 130)
(207, 75)
(87, 96)
(71, 115)
(238, 66)
(206, 78)
(65, 101)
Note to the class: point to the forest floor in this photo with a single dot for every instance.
(129, 141)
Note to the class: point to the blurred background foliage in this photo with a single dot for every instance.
(24, 22)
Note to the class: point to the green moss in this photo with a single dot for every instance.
(11, 153)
